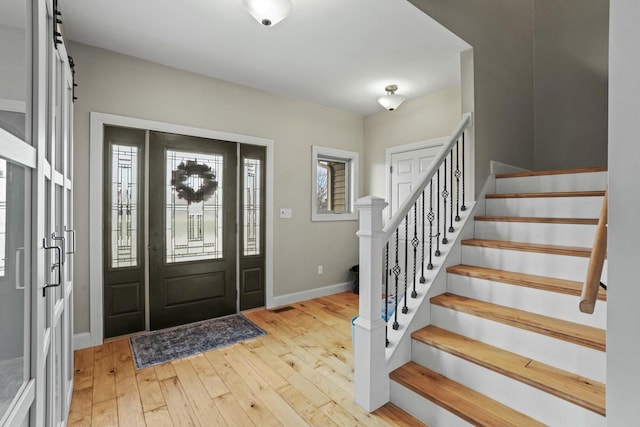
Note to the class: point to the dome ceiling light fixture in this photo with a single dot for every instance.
(268, 12)
(391, 100)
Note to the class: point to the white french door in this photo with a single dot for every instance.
(36, 288)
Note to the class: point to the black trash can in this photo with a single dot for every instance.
(355, 270)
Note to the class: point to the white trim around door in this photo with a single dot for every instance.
(98, 121)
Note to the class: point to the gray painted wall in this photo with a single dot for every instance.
(500, 32)
(623, 316)
(571, 56)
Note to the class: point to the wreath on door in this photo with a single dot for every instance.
(180, 181)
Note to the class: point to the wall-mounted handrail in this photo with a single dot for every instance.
(596, 262)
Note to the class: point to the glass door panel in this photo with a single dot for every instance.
(14, 282)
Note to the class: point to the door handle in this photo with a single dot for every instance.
(64, 245)
(54, 266)
(18, 257)
(73, 239)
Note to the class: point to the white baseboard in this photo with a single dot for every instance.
(294, 297)
(81, 340)
(497, 167)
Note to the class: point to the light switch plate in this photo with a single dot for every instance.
(286, 213)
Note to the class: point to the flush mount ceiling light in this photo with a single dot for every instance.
(268, 12)
(391, 101)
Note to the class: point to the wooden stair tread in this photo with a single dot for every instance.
(573, 388)
(552, 284)
(462, 401)
(397, 416)
(553, 172)
(530, 247)
(546, 194)
(576, 333)
(586, 221)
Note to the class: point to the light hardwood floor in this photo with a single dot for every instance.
(300, 373)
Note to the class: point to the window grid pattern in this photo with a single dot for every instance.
(252, 205)
(3, 215)
(194, 228)
(124, 207)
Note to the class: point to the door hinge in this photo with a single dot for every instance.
(390, 169)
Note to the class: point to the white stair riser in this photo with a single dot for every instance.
(540, 264)
(531, 232)
(546, 207)
(547, 303)
(591, 181)
(526, 399)
(423, 409)
(571, 357)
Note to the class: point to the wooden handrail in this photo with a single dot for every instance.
(596, 262)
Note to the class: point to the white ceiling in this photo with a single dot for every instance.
(338, 53)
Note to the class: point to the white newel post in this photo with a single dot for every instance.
(371, 378)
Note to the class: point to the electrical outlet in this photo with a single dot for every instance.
(286, 213)
(320, 269)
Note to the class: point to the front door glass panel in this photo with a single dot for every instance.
(124, 206)
(194, 207)
(252, 205)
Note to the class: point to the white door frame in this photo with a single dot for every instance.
(96, 137)
(389, 151)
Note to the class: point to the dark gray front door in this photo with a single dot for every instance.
(192, 229)
(124, 232)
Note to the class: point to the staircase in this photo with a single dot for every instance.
(507, 344)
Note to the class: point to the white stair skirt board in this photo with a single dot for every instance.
(423, 409)
(547, 303)
(588, 181)
(524, 398)
(541, 264)
(532, 232)
(571, 357)
(547, 207)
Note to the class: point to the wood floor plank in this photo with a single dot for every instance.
(159, 417)
(81, 404)
(201, 403)
(149, 387)
(104, 384)
(232, 411)
(83, 368)
(127, 394)
(309, 411)
(105, 413)
(164, 371)
(210, 379)
(568, 331)
(178, 405)
(249, 402)
(270, 376)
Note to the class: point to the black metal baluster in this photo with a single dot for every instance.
(437, 236)
(451, 186)
(396, 272)
(445, 194)
(457, 175)
(463, 207)
(405, 309)
(422, 279)
(430, 218)
(386, 294)
(415, 242)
